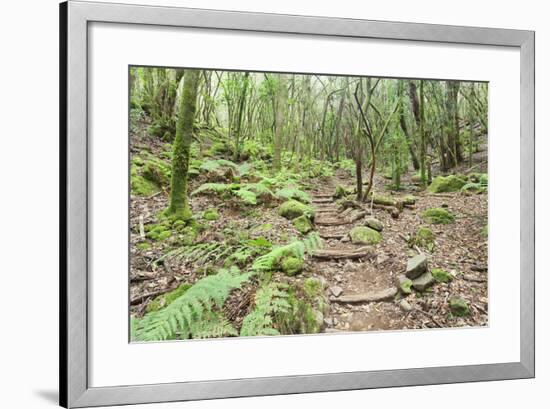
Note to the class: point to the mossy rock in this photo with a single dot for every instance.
(382, 200)
(441, 276)
(292, 265)
(424, 238)
(142, 187)
(408, 200)
(481, 178)
(164, 300)
(210, 214)
(302, 224)
(364, 235)
(445, 184)
(459, 306)
(438, 215)
(292, 209)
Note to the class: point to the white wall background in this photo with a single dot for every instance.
(29, 202)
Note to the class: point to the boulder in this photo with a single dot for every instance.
(445, 184)
(292, 209)
(374, 223)
(423, 282)
(302, 224)
(416, 266)
(364, 235)
(459, 306)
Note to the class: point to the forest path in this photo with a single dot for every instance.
(359, 289)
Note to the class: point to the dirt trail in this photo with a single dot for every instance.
(372, 275)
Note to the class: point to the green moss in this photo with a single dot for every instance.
(424, 238)
(408, 200)
(437, 215)
(444, 184)
(292, 265)
(441, 276)
(210, 214)
(459, 306)
(302, 224)
(383, 200)
(143, 246)
(157, 232)
(405, 286)
(292, 209)
(364, 235)
(142, 187)
(165, 299)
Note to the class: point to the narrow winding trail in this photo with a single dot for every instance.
(360, 288)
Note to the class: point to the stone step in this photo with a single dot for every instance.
(383, 295)
(332, 222)
(322, 200)
(345, 253)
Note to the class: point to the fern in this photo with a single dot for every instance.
(297, 248)
(213, 164)
(270, 300)
(293, 193)
(213, 325)
(246, 196)
(183, 315)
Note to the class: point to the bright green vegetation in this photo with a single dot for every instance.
(441, 276)
(365, 235)
(228, 170)
(443, 184)
(210, 214)
(438, 215)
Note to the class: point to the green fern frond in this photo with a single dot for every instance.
(214, 325)
(183, 315)
(270, 300)
(215, 188)
(246, 196)
(213, 164)
(297, 248)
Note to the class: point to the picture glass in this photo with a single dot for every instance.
(274, 204)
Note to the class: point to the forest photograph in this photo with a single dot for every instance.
(274, 204)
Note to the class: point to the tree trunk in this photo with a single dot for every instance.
(179, 204)
(280, 105)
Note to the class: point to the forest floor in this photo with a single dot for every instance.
(460, 248)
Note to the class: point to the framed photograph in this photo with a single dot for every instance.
(259, 204)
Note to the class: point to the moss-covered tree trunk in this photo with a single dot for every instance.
(179, 204)
(422, 132)
(280, 105)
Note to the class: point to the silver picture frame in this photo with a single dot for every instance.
(75, 16)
